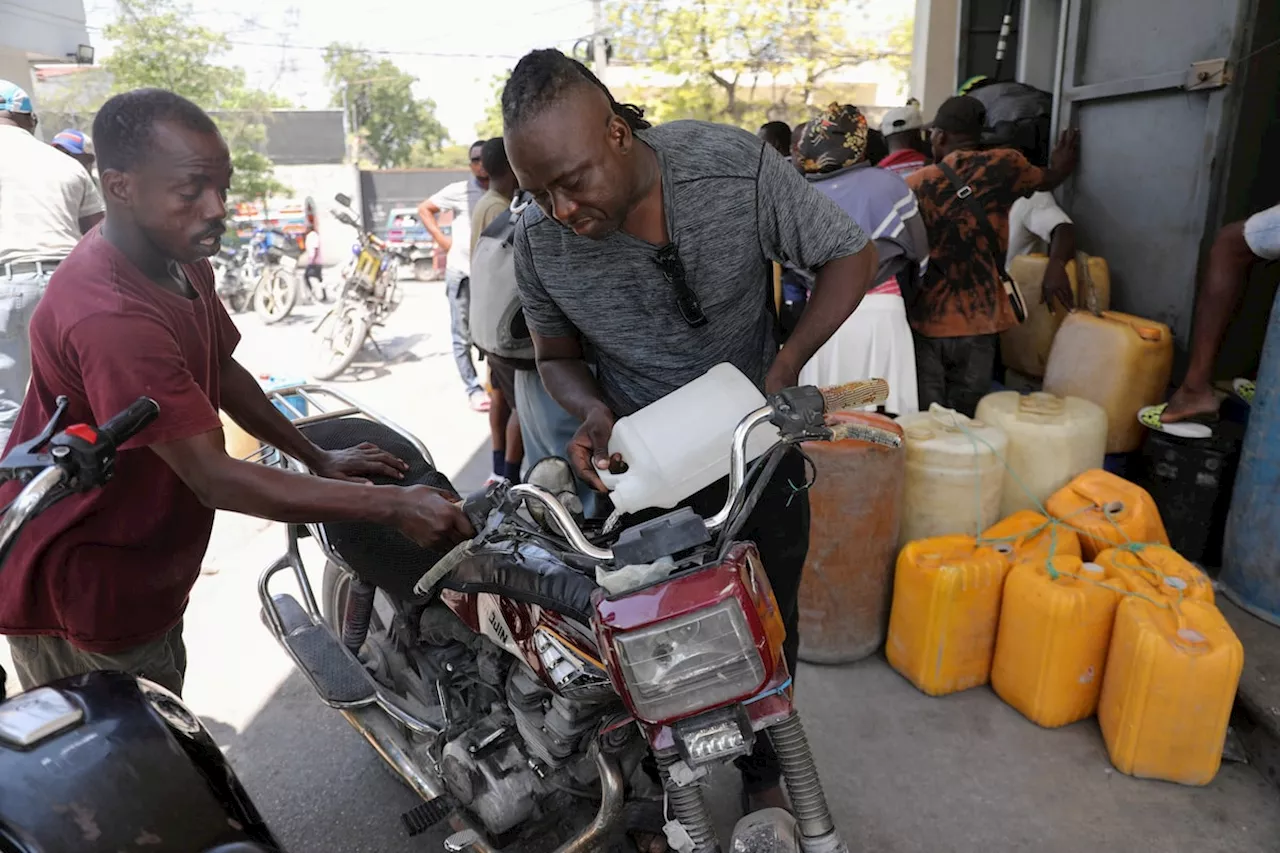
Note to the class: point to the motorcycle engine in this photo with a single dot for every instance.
(505, 766)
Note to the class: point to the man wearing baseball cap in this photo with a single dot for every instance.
(78, 145)
(901, 127)
(48, 202)
(965, 199)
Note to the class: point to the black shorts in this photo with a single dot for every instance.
(502, 376)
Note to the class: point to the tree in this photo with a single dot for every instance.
(154, 46)
(491, 125)
(382, 111)
(739, 63)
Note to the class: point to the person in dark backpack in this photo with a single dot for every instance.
(504, 421)
(963, 304)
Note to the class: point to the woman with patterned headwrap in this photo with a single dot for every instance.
(876, 339)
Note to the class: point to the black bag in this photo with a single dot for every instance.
(1018, 116)
(964, 192)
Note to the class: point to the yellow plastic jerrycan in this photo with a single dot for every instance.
(1109, 511)
(1051, 440)
(1027, 535)
(1051, 649)
(954, 474)
(946, 604)
(1025, 347)
(1157, 571)
(1118, 361)
(1168, 689)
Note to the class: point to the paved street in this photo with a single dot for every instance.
(904, 772)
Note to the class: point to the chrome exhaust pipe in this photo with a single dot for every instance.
(606, 819)
(382, 734)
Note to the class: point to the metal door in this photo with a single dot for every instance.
(1147, 82)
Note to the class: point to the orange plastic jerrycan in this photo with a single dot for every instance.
(855, 506)
(1118, 361)
(1108, 511)
(1171, 680)
(1025, 347)
(1157, 571)
(946, 605)
(1051, 649)
(1028, 535)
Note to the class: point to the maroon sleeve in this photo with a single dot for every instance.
(152, 365)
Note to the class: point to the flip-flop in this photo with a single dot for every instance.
(1244, 389)
(1195, 426)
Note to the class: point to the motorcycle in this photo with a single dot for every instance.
(550, 682)
(105, 761)
(370, 292)
(262, 273)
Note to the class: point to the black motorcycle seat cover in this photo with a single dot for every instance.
(384, 557)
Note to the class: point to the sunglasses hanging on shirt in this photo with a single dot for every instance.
(672, 268)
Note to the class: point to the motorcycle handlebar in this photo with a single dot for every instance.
(131, 421)
(868, 392)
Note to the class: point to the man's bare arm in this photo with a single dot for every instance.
(244, 400)
(838, 288)
(570, 383)
(220, 482)
(427, 212)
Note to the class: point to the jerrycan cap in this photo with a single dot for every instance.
(1003, 548)
(1041, 403)
(1190, 635)
(1113, 507)
(919, 433)
(1177, 583)
(1091, 568)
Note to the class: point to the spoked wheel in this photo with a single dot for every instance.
(340, 338)
(275, 296)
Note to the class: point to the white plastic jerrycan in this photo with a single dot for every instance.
(681, 444)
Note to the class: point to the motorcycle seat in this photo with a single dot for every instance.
(385, 558)
(527, 573)
(381, 555)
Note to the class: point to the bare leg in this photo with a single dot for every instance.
(1216, 304)
(499, 413)
(515, 441)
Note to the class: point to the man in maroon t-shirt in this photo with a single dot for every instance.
(101, 580)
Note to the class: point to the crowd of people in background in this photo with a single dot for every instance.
(945, 210)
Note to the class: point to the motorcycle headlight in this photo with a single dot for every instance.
(685, 665)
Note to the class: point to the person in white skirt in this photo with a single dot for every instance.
(875, 342)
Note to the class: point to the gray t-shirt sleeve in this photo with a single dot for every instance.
(540, 310)
(798, 225)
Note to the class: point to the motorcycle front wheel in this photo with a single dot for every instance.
(275, 296)
(341, 336)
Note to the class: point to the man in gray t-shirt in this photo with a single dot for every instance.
(654, 247)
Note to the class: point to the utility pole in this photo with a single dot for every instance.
(599, 57)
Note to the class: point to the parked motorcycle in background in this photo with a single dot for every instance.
(552, 684)
(262, 272)
(370, 292)
(104, 762)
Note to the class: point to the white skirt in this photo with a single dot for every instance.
(874, 343)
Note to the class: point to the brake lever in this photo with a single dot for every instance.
(25, 459)
(797, 413)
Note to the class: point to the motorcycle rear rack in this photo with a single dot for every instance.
(337, 675)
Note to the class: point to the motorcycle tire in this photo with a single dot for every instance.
(275, 296)
(424, 269)
(236, 302)
(342, 338)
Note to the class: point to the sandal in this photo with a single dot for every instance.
(1244, 389)
(1193, 426)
